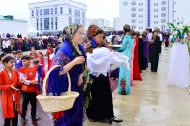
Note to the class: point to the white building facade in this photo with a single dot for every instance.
(116, 24)
(52, 16)
(99, 21)
(181, 10)
(8, 24)
(146, 13)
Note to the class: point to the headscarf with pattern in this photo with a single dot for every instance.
(70, 30)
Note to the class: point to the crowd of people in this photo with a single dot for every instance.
(23, 74)
(9, 44)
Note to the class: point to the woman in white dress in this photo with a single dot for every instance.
(179, 72)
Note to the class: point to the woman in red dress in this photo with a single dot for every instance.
(33, 51)
(41, 59)
(49, 52)
(136, 69)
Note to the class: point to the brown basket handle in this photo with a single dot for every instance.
(46, 77)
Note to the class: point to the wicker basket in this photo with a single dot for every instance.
(57, 103)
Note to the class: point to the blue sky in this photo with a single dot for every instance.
(107, 9)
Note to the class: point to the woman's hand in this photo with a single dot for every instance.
(79, 60)
(151, 42)
(34, 82)
(80, 81)
(22, 80)
(76, 61)
(13, 87)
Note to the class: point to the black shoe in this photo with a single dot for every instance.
(116, 120)
(92, 120)
(35, 119)
(23, 120)
(153, 70)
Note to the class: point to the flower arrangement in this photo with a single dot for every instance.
(179, 32)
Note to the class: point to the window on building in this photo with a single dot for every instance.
(83, 14)
(140, 9)
(46, 24)
(83, 22)
(56, 20)
(163, 21)
(155, 16)
(155, 4)
(46, 11)
(51, 10)
(55, 10)
(61, 10)
(51, 23)
(37, 27)
(163, 9)
(70, 11)
(140, 4)
(40, 12)
(140, 16)
(36, 12)
(163, 14)
(133, 15)
(32, 13)
(40, 23)
(77, 13)
(163, 27)
(133, 21)
(133, 9)
(133, 27)
(133, 3)
(163, 2)
(70, 20)
(77, 20)
(155, 22)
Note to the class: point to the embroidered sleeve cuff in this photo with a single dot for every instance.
(27, 82)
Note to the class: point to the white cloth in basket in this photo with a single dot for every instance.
(101, 59)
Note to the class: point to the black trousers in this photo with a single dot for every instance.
(14, 120)
(9, 49)
(6, 50)
(28, 97)
(160, 47)
(154, 61)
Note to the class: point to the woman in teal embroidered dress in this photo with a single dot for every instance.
(124, 73)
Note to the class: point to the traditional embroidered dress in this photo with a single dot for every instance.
(100, 106)
(58, 84)
(124, 73)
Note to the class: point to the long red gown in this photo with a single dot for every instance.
(48, 53)
(136, 69)
(131, 65)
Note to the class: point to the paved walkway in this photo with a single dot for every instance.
(152, 102)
